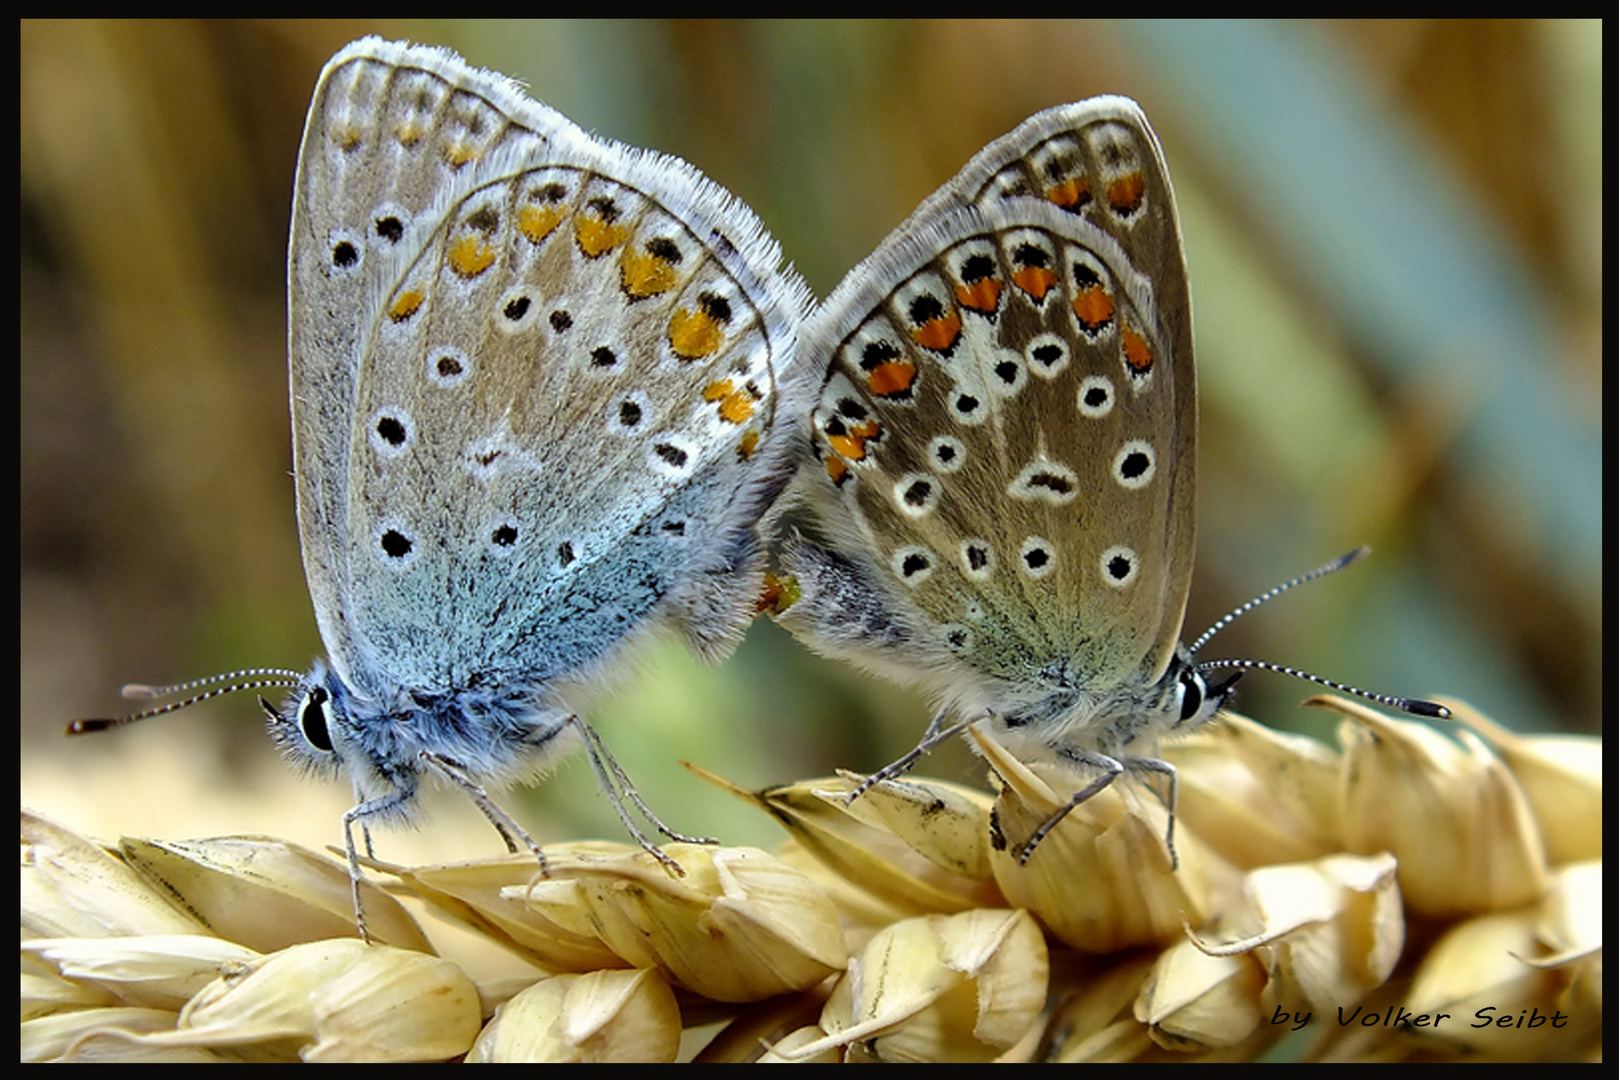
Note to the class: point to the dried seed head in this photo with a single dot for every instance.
(1476, 971)
(1449, 810)
(1328, 931)
(491, 896)
(266, 893)
(740, 926)
(337, 1000)
(72, 887)
(1570, 925)
(605, 1016)
(1101, 881)
(946, 824)
(156, 971)
(1561, 776)
(861, 846)
(1258, 796)
(1197, 1001)
(938, 988)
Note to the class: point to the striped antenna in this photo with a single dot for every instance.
(1414, 706)
(228, 683)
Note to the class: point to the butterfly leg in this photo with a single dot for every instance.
(935, 734)
(1111, 768)
(384, 806)
(615, 782)
(510, 831)
(1164, 768)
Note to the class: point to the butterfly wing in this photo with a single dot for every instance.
(1100, 159)
(354, 200)
(1006, 438)
(535, 377)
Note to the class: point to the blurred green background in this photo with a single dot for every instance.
(1394, 234)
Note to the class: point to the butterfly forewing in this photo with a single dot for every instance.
(559, 368)
(397, 131)
(569, 328)
(1100, 160)
(1009, 420)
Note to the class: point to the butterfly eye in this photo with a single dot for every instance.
(1193, 691)
(312, 717)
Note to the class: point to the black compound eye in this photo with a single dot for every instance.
(312, 719)
(1193, 692)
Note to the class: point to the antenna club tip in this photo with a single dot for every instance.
(1353, 556)
(1427, 708)
(89, 727)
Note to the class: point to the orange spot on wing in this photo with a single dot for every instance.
(938, 334)
(1071, 194)
(409, 133)
(536, 222)
(470, 256)
(1137, 353)
(893, 377)
(737, 407)
(749, 443)
(644, 274)
(597, 237)
(407, 305)
(837, 469)
(1094, 307)
(1034, 280)
(457, 156)
(347, 137)
(695, 334)
(852, 444)
(1126, 193)
(981, 295)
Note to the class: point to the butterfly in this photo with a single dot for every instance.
(998, 502)
(538, 382)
